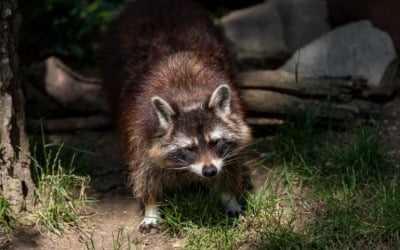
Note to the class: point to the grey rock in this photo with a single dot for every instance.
(303, 21)
(255, 32)
(275, 28)
(357, 50)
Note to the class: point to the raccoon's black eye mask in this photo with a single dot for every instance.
(221, 146)
(183, 156)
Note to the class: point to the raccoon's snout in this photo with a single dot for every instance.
(209, 170)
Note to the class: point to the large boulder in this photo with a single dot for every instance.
(383, 14)
(276, 28)
(303, 21)
(255, 32)
(357, 50)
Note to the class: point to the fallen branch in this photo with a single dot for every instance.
(306, 87)
(262, 121)
(275, 103)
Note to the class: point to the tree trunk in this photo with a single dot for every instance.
(15, 177)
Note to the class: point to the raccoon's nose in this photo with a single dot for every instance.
(209, 170)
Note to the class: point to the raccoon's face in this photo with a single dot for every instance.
(200, 138)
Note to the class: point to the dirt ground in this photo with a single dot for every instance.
(116, 210)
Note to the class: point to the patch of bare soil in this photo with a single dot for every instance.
(114, 218)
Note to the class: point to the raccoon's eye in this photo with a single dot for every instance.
(189, 149)
(218, 142)
(184, 155)
(221, 146)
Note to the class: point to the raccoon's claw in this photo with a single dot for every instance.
(147, 224)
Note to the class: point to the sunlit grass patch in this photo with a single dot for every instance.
(198, 207)
(60, 195)
(351, 184)
(198, 217)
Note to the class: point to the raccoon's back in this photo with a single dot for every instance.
(147, 31)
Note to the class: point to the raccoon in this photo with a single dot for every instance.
(175, 102)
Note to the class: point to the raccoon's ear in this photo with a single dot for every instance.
(164, 111)
(221, 99)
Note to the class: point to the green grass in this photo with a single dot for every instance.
(323, 190)
(353, 181)
(6, 219)
(197, 216)
(5, 215)
(60, 196)
(121, 241)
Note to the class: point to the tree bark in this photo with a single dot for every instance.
(15, 178)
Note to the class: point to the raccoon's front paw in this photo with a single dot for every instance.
(233, 211)
(232, 207)
(147, 224)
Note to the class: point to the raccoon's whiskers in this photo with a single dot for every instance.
(179, 168)
(181, 165)
(232, 156)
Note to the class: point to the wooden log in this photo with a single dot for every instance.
(275, 103)
(263, 121)
(284, 82)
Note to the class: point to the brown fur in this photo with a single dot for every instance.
(171, 49)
